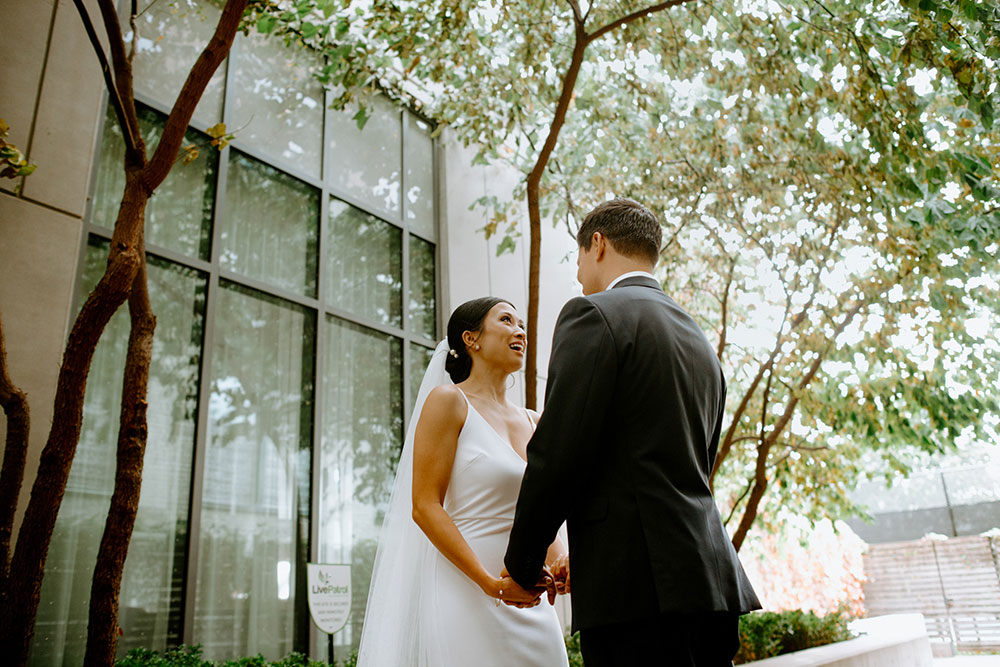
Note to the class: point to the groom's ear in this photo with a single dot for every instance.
(600, 245)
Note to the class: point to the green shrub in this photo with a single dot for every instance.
(573, 650)
(768, 633)
(190, 656)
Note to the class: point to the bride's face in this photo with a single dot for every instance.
(502, 340)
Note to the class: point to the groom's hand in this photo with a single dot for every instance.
(514, 595)
(560, 574)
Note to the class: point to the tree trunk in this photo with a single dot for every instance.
(15, 407)
(102, 630)
(17, 618)
(535, 215)
(581, 41)
(756, 494)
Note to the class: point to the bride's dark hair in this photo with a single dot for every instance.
(467, 317)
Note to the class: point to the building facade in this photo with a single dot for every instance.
(300, 277)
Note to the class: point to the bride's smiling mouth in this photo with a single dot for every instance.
(517, 346)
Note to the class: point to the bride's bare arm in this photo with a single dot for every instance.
(434, 444)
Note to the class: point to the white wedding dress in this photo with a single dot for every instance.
(423, 611)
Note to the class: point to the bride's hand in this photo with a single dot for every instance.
(511, 593)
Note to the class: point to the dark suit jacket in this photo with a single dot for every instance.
(623, 452)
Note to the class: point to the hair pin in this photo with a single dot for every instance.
(453, 353)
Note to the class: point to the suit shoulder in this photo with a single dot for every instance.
(583, 308)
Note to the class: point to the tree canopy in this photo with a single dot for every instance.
(825, 172)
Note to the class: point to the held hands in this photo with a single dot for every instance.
(513, 594)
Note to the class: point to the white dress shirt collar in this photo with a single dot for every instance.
(630, 274)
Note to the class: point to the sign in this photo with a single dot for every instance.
(329, 595)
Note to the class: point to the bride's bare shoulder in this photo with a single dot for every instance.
(445, 404)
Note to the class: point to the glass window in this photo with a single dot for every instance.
(420, 357)
(423, 312)
(419, 156)
(361, 441)
(365, 259)
(254, 539)
(171, 37)
(152, 583)
(366, 163)
(270, 226)
(179, 214)
(277, 101)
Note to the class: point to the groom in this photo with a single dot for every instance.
(634, 404)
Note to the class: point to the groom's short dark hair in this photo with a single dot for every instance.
(631, 228)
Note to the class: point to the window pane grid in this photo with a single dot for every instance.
(300, 294)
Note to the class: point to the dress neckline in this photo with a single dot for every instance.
(490, 426)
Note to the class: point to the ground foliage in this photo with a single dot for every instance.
(767, 634)
(826, 173)
(191, 656)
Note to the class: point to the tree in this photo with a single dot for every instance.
(834, 221)
(124, 280)
(826, 175)
(457, 44)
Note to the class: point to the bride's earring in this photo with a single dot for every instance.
(477, 347)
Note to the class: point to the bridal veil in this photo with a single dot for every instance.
(391, 635)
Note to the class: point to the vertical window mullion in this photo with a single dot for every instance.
(205, 378)
(319, 382)
(404, 123)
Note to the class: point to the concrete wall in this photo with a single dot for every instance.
(471, 267)
(52, 87)
(899, 640)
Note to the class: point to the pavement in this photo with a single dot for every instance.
(969, 661)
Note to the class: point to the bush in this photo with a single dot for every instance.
(573, 650)
(767, 634)
(190, 656)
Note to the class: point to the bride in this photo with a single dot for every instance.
(436, 597)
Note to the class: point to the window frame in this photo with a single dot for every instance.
(318, 305)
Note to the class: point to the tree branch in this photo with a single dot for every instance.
(122, 66)
(15, 407)
(725, 310)
(738, 501)
(187, 99)
(131, 145)
(634, 16)
(760, 470)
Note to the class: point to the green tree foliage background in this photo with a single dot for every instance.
(826, 173)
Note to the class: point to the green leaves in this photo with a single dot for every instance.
(266, 23)
(13, 164)
(361, 117)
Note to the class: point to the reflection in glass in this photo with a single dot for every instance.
(179, 214)
(255, 506)
(152, 583)
(270, 226)
(419, 156)
(366, 163)
(171, 36)
(362, 436)
(365, 258)
(423, 313)
(420, 357)
(277, 101)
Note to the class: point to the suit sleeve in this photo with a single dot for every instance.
(565, 447)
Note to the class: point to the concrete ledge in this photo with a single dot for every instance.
(898, 640)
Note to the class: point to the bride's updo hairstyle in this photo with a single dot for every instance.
(467, 317)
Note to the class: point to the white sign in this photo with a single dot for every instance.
(329, 595)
